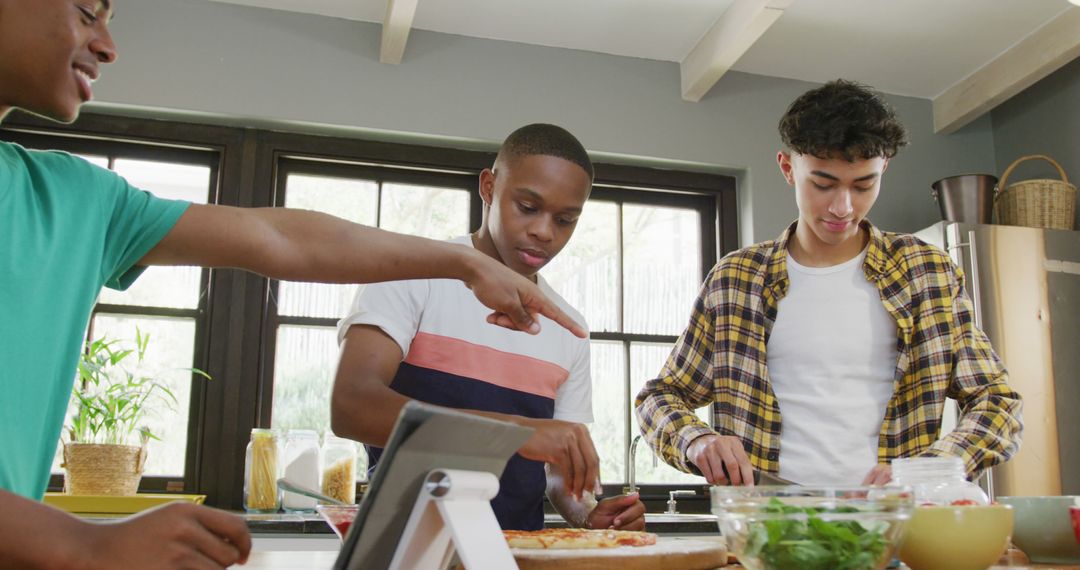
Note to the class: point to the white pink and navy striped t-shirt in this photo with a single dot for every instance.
(454, 358)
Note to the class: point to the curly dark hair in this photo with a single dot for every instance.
(842, 117)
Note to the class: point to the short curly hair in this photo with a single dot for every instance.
(547, 140)
(842, 117)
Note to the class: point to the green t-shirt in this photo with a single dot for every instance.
(67, 228)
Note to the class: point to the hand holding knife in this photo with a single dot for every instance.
(766, 478)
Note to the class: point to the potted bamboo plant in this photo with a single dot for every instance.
(106, 448)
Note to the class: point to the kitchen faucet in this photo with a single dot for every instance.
(631, 456)
(672, 507)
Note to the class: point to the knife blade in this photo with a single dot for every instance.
(766, 478)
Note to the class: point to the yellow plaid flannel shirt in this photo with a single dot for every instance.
(720, 361)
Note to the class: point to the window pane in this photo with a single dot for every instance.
(609, 409)
(101, 161)
(304, 365)
(586, 272)
(167, 180)
(353, 200)
(169, 357)
(173, 287)
(662, 267)
(646, 360)
(431, 212)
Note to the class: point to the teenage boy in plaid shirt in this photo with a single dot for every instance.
(829, 352)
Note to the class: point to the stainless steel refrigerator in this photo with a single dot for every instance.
(1025, 285)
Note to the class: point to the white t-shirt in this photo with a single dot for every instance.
(454, 358)
(831, 358)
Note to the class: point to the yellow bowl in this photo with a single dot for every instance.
(956, 538)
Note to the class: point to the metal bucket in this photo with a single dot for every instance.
(966, 198)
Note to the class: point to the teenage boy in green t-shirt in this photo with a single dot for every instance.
(69, 228)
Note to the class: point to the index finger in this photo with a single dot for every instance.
(622, 501)
(549, 310)
(730, 464)
(227, 526)
(592, 464)
(581, 471)
(745, 468)
(632, 518)
(707, 465)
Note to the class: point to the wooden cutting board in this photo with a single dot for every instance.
(680, 553)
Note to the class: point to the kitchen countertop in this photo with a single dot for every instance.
(287, 523)
(313, 524)
(293, 524)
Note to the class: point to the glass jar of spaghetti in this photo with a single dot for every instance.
(261, 493)
(339, 468)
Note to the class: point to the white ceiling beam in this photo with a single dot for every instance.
(726, 41)
(1039, 54)
(395, 29)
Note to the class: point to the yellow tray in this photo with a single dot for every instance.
(105, 504)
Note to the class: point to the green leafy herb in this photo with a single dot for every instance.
(812, 543)
(111, 400)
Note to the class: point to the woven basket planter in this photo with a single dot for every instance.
(98, 469)
(1039, 203)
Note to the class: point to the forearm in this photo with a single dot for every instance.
(302, 245)
(668, 423)
(987, 434)
(665, 405)
(318, 247)
(36, 536)
(988, 431)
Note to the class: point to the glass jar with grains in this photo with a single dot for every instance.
(339, 468)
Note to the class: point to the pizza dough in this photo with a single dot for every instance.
(576, 538)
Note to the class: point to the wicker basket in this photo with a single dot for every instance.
(96, 469)
(1040, 203)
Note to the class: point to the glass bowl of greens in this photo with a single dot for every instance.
(811, 528)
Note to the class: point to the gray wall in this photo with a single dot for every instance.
(1044, 119)
(238, 64)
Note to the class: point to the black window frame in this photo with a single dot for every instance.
(236, 329)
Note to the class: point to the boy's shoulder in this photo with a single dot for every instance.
(50, 163)
(15, 151)
(70, 182)
(761, 252)
(750, 260)
(899, 251)
(909, 252)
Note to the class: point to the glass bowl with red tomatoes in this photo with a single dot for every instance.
(339, 517)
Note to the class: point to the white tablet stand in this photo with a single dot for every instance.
(453, 511)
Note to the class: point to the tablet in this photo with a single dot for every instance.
(424, 438)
